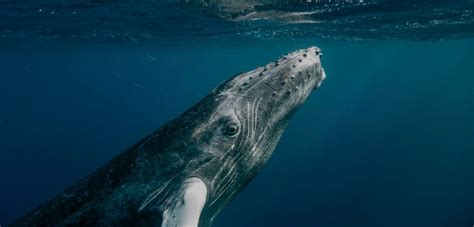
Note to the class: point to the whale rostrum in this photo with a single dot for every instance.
(187, 172)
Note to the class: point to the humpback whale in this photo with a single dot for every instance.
(187, 171)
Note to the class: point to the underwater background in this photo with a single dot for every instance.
(388, 139)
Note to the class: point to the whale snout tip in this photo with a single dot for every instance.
(317, 61)
(312, 53)
(314, 49)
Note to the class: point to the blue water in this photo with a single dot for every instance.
(388, 140)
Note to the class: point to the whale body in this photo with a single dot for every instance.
(189, 170)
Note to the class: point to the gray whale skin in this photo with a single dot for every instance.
(187, 171)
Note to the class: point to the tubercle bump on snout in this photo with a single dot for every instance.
(286, 75)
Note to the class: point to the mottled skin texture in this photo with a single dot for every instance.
(224, 140)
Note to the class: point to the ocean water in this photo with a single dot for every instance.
(388, 140)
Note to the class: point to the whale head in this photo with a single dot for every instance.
(253, 108)
(227, 137)
(245, 117)
(257, 105)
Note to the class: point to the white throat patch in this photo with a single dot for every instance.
(187, 210)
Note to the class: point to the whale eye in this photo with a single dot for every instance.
(231, 129)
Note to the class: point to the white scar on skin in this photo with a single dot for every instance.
(187, 210)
